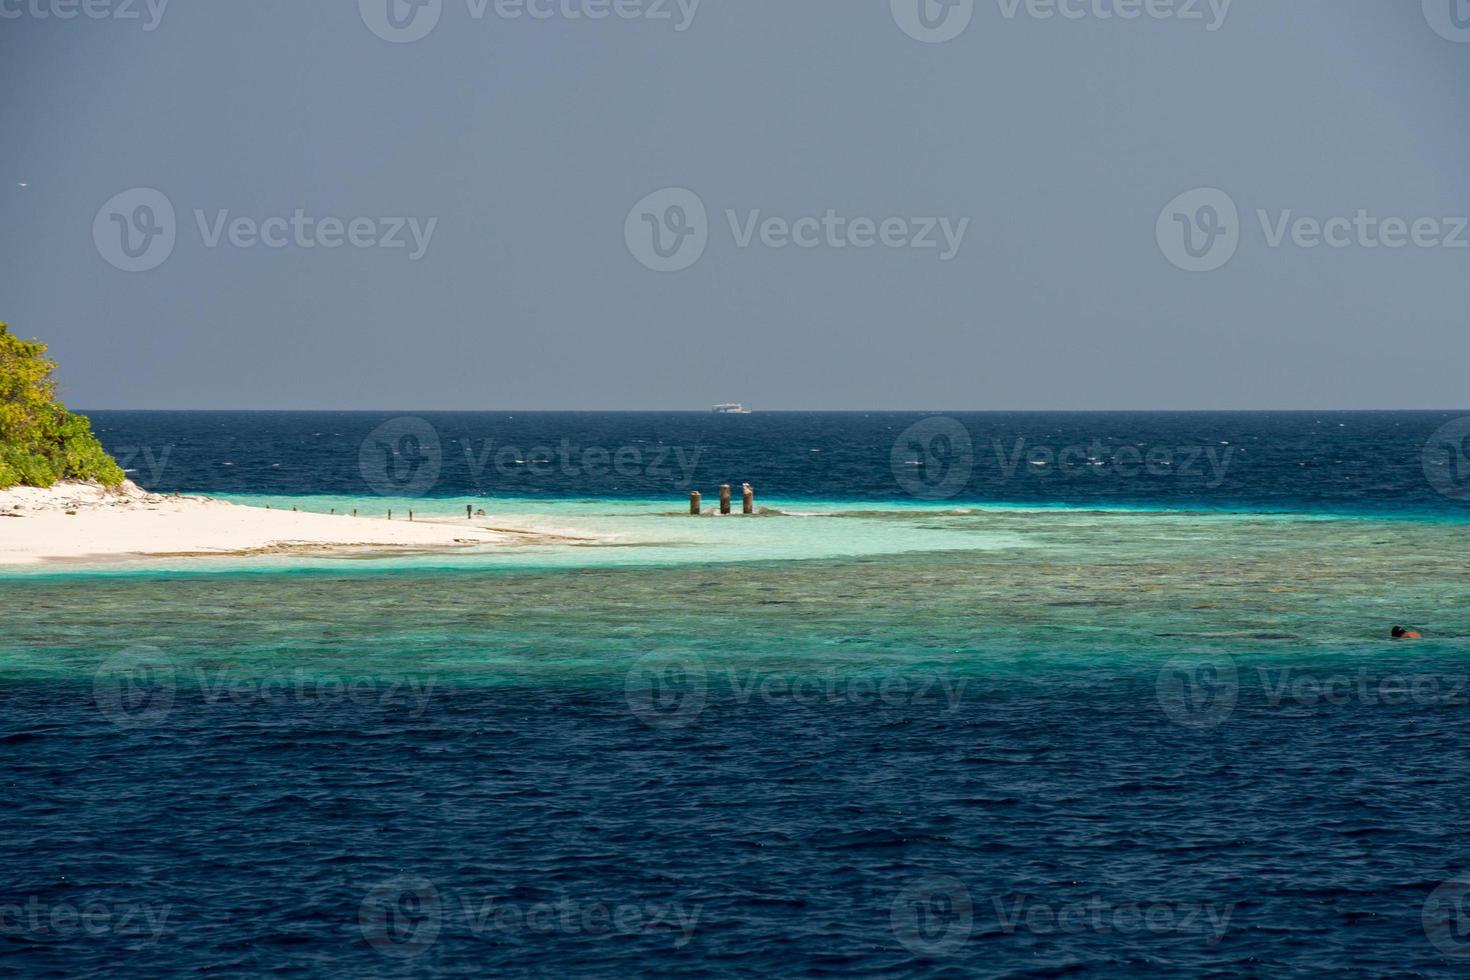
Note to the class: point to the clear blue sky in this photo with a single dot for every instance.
(529, 140)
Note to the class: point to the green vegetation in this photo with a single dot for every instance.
(40, 441)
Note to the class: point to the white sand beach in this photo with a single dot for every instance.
(82, 521)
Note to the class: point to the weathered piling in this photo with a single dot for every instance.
(747, 500)
(694, 502)
(390, 513)
(469, 511)
(724, 498)
(410, 515)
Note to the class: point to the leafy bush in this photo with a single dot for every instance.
(40, 441)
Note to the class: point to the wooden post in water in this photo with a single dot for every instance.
(410, 515)
(747, 502)
(469, 511)
(694, 499)
(724, 498)
(354, 512)
(390, 513)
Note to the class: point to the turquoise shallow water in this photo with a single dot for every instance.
(838, 584)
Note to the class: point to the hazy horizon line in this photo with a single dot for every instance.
(799, 411)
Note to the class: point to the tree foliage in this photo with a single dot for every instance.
(40, 441)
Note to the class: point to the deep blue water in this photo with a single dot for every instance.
(501, 832)
(1370, 462)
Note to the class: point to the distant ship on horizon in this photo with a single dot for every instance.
(730, 408)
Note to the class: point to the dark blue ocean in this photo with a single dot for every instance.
(1352, 462)
(1155, 727)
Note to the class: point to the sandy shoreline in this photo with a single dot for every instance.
(79, 522)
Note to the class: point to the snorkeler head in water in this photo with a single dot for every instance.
(1404, 633)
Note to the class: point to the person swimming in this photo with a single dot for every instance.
(1405, 633)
